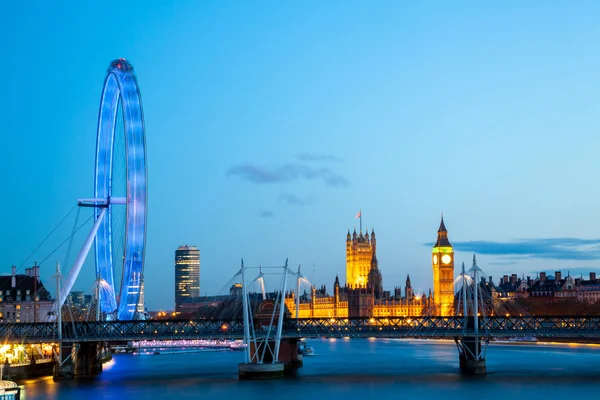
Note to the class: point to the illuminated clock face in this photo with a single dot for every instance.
(446, 259)
(435, 258)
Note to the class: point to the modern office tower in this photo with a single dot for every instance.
(187, 274)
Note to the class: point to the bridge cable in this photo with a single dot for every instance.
(10, 323)
(67, 239)
(50, 234)
(53, 251)
(70, 246)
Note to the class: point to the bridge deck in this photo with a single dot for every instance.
(398, 327)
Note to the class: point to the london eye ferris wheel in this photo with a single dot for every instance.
(120, 197)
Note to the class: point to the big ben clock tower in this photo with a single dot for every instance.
(443, 273)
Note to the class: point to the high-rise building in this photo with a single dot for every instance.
(187, 274)
(443, 273)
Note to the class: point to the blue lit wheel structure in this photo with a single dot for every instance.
(121, 93)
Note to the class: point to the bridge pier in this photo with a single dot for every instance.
(80, 360)
(253, 371)
(87, 360)
(288, 362)
(63, 368)
(470, 355)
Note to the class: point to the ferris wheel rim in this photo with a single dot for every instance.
(120, 88)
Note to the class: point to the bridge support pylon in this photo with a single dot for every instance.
(87, 360)
(470, 355)
(472, 345)
(63, 368)
(80, 360)
(266, 355)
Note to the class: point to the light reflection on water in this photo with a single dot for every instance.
(344, 369)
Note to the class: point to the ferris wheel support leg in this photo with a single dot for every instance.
(85, 249)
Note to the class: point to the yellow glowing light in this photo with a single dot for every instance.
(442, 249)
(435, 258)
(446, 259)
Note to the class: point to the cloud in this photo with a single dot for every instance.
(266, 214)
(501, 263)
(552, 248)
(291, 199)
(286, 173)
(310, 157)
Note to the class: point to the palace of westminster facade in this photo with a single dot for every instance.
(363, 295)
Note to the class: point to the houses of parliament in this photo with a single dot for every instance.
(363, 294)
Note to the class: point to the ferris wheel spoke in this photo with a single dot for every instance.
(100, 202)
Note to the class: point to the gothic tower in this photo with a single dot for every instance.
(443, 273)
(359, 254)
(409, 290)
(374, 279)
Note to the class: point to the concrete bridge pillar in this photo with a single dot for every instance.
(470, 355)
(288, 362)
(81, 360)
(87, 360)
(63, 368)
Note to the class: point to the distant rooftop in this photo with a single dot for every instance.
(186, 247)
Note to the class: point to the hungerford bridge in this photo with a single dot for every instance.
(575, 327)
(271, 339)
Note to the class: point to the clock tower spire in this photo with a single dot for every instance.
(443, 273)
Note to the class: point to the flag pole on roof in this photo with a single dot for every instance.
(359, 215)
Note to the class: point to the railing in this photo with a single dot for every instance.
(566, 327)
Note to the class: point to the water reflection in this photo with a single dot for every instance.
(343, 369)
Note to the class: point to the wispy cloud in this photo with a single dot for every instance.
(291, 199)
(501, 263)
(551, 248)
(286, 173)
(311, 157)
(266, 214)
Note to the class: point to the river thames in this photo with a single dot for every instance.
(345, 369)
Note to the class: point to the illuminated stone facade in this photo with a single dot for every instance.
(359, 253)
(363, 294)
(320, 305)
(442, 261)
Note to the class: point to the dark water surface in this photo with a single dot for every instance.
(345, 369)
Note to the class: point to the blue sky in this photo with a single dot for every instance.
(270, 124)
